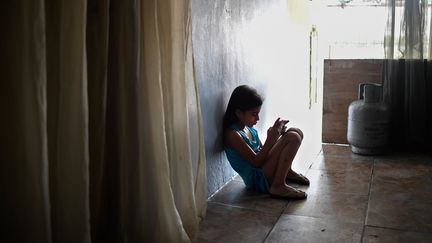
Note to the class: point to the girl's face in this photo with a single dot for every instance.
(250, 117)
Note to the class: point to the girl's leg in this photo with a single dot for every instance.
(292, 175)
(275, 152)
(279, 163)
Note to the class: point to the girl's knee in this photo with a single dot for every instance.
(292, 137)
(297, 130)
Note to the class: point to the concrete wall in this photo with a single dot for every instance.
(263, 43)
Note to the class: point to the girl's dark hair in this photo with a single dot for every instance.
(243, 98)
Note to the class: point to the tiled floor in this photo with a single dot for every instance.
(351, 198)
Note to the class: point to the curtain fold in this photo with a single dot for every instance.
(166, 44)
(69, 180)
(25, 212)
(97, 63)
(158, 184)
(407, 71)
(175, 48)
(102, 138)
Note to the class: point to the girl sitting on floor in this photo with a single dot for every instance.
(263, 168)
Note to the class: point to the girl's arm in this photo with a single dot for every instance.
(234, 141)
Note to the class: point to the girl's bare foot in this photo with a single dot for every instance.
(287, 192)
(298, 178)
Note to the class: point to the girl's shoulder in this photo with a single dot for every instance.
(230, 137)
(230, 132)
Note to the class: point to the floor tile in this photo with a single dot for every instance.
(232, 224)
(413, 188)
(402, 180)
(402, 167)
(399, 214)
(374, 234)
(291, 228)
(339, 150)
(236, 194)
(341, 206)
(322, 182)
(401, 196)
(405, 154)
(342, 163)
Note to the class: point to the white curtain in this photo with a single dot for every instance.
(409, 29)
(101, 134)
(408, 71)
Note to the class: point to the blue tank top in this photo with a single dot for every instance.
(252, 176)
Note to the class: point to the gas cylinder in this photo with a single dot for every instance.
(368, 121)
